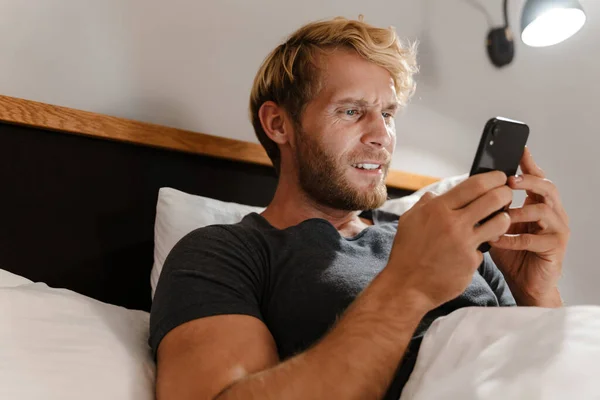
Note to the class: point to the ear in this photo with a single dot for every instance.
(273, 119)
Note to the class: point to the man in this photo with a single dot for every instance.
(315, 299)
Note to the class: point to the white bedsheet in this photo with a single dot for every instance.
(510, 353)
(56, 344)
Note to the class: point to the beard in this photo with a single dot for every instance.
(323, 177)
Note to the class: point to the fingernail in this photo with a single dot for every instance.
(495, 240)
(518, 178)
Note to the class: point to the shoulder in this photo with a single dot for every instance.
(243, 240)
(232, 233)
(212, 270)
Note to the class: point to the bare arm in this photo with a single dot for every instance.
(356, 360)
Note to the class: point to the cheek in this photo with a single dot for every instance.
(346, 149)
(339, 139)
(338, 150)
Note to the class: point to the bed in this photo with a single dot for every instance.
(82, 199)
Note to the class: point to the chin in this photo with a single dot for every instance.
(370, 197)
(371, 184)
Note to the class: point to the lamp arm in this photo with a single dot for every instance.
(505, 14)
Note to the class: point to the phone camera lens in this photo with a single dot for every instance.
(496, 130)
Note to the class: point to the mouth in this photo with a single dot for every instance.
(369, 168)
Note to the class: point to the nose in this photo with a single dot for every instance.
(377, 133)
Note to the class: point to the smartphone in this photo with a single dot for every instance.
(500, 149)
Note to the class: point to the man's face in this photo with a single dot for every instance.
(347, 137)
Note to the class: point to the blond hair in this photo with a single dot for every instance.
(289, 75)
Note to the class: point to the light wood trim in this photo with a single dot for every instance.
(31, 113)
(408, 180)
(63, 119)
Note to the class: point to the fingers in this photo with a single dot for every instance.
(473, 188)
(528, 165)
(492, 229)
(536, 185)
(541, 213)
(535, 243)
(542, 190)
(487, 204)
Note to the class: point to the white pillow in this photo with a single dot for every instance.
(57, 344)
(8, 279)
(403, 204)
(178, 213)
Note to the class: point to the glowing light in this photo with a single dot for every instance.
(553, 26)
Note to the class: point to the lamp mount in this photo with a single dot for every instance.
(500, 43)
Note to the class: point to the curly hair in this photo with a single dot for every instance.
(289, 75)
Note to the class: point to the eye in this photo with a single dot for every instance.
(351, 113)
(387, 115)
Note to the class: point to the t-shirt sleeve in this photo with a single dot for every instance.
(495, 279)
(211, 271)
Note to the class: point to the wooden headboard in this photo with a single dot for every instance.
(79, 193)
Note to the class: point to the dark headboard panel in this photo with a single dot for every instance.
(78, 211)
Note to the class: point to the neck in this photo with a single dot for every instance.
(291, 205)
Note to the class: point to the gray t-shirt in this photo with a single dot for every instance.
(296, 280)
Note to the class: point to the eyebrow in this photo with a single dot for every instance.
(394, 106)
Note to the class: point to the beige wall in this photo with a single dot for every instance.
(190, 64)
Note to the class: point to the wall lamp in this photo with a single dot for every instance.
(543, 23)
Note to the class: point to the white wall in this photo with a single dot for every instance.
(190, 64)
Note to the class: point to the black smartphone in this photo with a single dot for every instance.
(500, 149)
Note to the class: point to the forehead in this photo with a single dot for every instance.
(345, 74)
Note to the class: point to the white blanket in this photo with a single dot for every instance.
(510, 353)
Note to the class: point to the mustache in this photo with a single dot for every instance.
(383, 158)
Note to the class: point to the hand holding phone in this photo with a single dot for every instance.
(501, 148)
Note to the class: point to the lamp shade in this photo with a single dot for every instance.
(548, 22)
